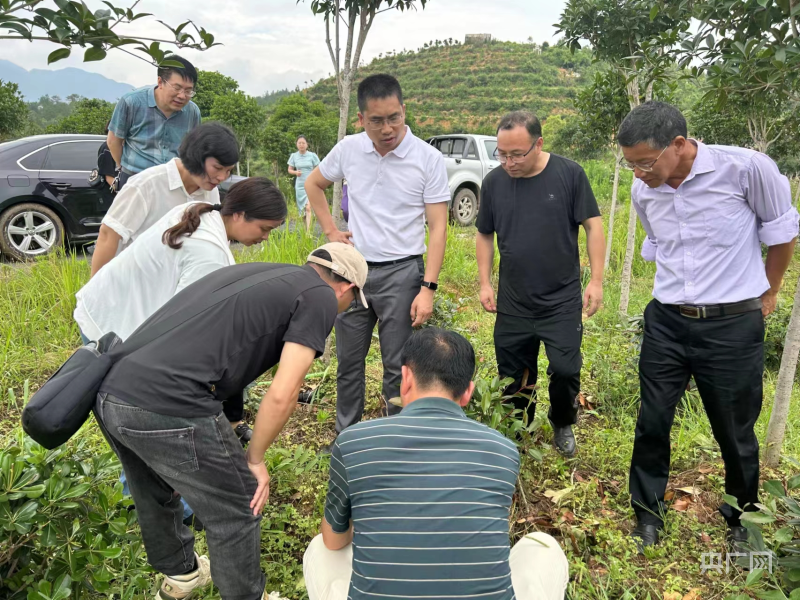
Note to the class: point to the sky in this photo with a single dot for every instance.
(276, 44)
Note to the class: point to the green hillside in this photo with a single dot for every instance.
(457, 88)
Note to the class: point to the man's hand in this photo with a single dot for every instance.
(769, 301)
(422, 308)
(593, 297)
(339, 236)
(487, 299)
(259, 471)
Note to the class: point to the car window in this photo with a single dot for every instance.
(72, 156)
(33, 162)
(471, 151)
(491, 146)
(445, 145)
(458, 147)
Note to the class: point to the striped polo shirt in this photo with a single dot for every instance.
(151, 138)
(429, 493)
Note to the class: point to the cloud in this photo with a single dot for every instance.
(277, 44)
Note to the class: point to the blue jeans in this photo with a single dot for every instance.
(203, 460)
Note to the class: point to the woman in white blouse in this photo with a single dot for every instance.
(187, 243)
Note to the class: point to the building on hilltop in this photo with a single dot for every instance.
(478, 38)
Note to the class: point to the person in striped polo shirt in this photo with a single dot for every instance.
(418, 503)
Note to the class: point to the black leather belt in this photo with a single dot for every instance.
(716, 310)
(393, 262)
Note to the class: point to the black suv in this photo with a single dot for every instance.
(45, 197)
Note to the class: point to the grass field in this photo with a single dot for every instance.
(582, 501)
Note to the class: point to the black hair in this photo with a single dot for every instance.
(257, 197)
(187, 72)
(377, 87)
(330, 275)
(522, 118)
(438, 357)
(301, 137)
(209, 140)
(653, 123)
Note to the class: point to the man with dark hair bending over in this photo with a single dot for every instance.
(160, 409)
(418, 503)
(396, 182)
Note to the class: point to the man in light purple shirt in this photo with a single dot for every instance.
(706, 211)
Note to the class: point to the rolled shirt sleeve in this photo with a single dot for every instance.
(127, 213)
(769, 195)
(337, 502)
(437, 187)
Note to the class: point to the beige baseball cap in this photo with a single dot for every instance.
(347, 262)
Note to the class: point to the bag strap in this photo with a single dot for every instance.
(182, 317)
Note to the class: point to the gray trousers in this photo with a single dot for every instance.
(202, 460)
(390, 292)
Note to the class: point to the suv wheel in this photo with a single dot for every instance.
(30, 230)
(465, 207)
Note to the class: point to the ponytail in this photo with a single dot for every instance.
(188, 224)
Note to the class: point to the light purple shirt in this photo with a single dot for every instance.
(705, 237)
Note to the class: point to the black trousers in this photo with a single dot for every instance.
(726, 357)
(516, 344)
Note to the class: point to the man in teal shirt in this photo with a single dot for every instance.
(149, 123)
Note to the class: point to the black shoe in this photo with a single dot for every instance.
(737, 539)
(645, 535)
(305, 397)
(564, 440)
(194, 522)
(244, 433)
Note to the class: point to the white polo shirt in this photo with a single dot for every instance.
(387, 194)
(147, 197)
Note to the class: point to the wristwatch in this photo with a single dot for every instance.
(430, 285)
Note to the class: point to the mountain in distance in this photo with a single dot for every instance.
(453, 87)
(36, 83)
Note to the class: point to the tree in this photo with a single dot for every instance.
(13, 110)
(211, 85)
(634, 38)
(749, 52)
(351, 20)
(245, 117)
(602, 106)
(88, 116)
(73, 24)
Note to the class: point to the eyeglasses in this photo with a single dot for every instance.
(394, 120)
(514, 158)
(646, 167)
(181, 90)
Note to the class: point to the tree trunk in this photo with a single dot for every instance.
(345, 86)
(614, 194)
(783, 389)
(797, 196)
(248, 164)
(627, 267)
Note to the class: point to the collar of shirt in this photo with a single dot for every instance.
(175, 181)
(401, 151)
(432, 403)
(703, 163)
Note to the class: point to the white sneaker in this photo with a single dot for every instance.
(182, 587)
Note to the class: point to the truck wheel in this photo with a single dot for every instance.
(465, 207)
(30, 230)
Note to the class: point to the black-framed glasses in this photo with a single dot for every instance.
(645, 167)
(514, 158)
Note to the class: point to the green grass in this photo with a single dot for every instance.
(593, 518)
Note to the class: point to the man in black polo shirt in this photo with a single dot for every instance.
(535, 204)
(160, 408)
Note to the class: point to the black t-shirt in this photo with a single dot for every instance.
(191, 369)
(536, 220)
(106, 165)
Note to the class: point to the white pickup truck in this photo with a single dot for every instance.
(468, 158)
